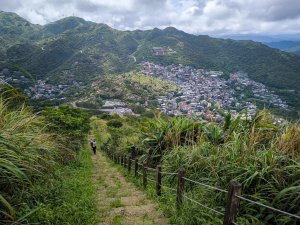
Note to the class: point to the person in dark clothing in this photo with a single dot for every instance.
(94, 146)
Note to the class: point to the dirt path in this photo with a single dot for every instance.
(120, 202)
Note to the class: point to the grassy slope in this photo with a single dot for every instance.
(130, 87)
(70, 199)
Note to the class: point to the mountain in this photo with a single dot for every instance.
(288, 46)
(14, 29)
(74, 49)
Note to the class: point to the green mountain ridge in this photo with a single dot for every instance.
(74, 49)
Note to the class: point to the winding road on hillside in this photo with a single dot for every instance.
(119, 201)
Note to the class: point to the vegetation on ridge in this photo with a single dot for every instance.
(130, 88)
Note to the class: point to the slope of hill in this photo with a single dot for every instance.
(74, 49)
(129, 87)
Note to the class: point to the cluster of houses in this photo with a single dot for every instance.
(259, 90)
(36, 90)
(43, 90)
(14, 78)
(206, 93)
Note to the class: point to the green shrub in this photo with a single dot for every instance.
(71, 123)
(114, 123)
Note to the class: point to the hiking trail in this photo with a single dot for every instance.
(119, 201)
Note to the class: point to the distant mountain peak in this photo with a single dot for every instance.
(11, 17)
(64, 24)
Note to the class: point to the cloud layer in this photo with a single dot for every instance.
(192, 16)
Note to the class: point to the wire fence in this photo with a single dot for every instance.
(268, 207)
(204, 206)
(233, 194)
(205, 185)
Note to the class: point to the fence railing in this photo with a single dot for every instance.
(234, 195)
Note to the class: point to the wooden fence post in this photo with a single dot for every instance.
(158, 180)
(136, 167)
(232, 205)
(145, 175)
(129, 164)
(180, 187)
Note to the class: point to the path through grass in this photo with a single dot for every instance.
(120, 202)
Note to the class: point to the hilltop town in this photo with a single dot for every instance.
(208, 94)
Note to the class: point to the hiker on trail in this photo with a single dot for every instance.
(94, 146)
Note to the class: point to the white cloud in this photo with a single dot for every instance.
(193, 16)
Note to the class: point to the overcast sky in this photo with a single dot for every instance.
(192, 16)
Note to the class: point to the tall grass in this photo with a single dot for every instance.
(27, 152)
(262, 155)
